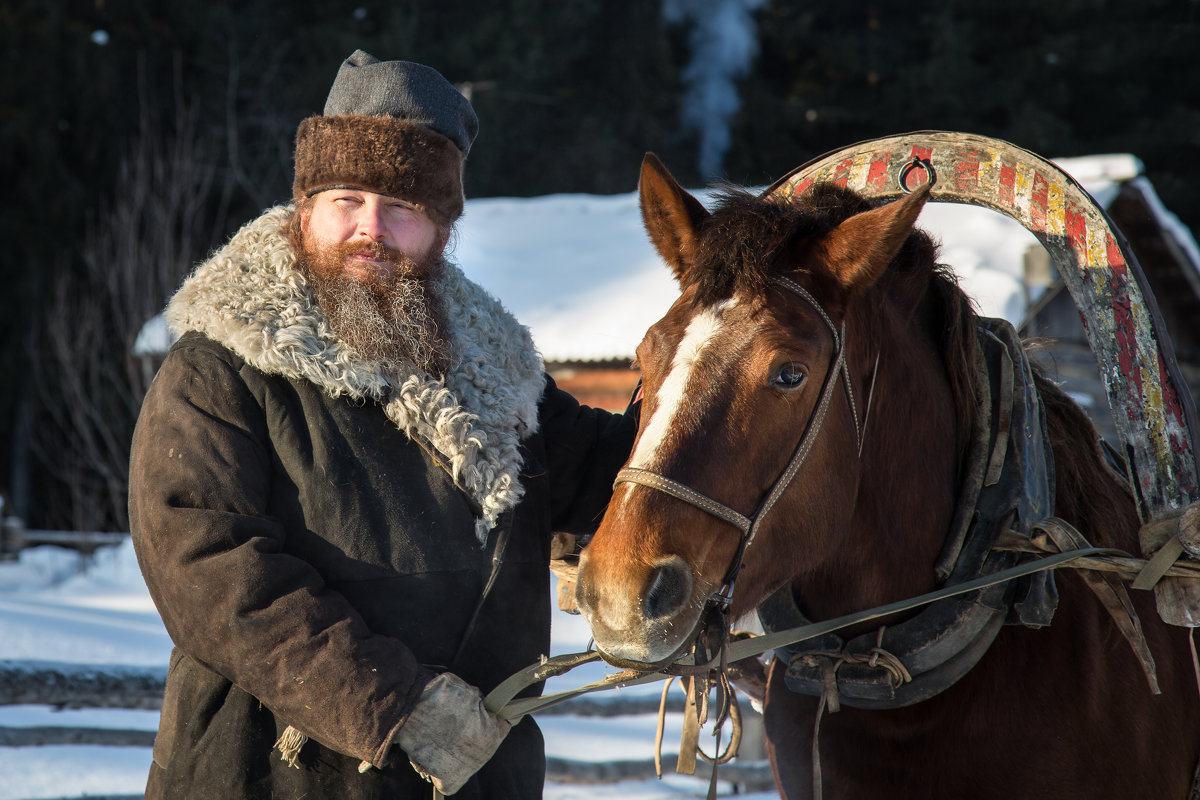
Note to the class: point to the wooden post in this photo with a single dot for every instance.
(12, 538)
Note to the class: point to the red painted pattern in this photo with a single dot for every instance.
(1038, 202)
(1171, 406)
(801, 187)
(877, 174)
(1124, 333)
(1115, 256)
(841, 174)
(966, 172)
(914, 178)
(1008, 184)
(1075, 228)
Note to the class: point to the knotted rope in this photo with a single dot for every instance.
(830, 662)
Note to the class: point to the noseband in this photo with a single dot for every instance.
(749, 526)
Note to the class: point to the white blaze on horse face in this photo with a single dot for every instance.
(703, 328)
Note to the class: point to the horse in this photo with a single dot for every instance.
(818, 338)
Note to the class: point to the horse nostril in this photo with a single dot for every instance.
(670, 588)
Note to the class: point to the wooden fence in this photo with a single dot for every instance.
(67, 685)
(14, 537)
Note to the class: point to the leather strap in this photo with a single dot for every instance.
(501, 699)
(664, 484)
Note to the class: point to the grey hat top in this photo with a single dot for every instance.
(404, 89)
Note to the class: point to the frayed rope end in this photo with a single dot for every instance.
(289, 746)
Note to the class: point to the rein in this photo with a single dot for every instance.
(503, 700)
(749, 526)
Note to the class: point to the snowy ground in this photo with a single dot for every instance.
(55, 606)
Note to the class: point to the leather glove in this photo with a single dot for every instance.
(449, 735)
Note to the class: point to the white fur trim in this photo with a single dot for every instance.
(250, 297)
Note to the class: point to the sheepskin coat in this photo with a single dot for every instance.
(317, 533)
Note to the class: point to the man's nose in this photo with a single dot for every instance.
(370, 222)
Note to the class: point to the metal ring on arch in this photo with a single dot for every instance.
(906, 170)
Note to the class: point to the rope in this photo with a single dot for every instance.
(697, 690)
(658, 733)
(830, 662)
(876, 658)
(1123, 565)
(816, 750)
(502, 700)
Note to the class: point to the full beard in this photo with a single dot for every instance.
(390, 318)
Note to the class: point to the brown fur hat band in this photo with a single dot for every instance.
(380, 154)
(391, 127)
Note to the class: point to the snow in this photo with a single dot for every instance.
(58, 606)
(581, 273)
(57, 771)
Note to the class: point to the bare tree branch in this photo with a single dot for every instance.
(136, 250)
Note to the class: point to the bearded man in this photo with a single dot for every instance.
(345, 477)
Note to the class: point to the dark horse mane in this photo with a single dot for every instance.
(747, 240)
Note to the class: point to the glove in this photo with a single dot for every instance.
(449, 735)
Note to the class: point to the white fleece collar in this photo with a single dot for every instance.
(250, 297)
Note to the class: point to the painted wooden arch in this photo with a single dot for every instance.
(1152, 409)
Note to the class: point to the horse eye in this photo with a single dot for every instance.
(790, 376)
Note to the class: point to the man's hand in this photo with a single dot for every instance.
(449, 735)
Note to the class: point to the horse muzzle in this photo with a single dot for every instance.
(644, 617)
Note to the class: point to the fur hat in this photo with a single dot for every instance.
(392, 127)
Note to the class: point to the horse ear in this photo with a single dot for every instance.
(671, 216)
(859, 250)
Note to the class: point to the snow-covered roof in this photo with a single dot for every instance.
(580, 272)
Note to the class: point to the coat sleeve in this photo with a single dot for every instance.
(230, 595)
(584, 449)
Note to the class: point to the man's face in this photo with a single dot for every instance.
(342, 218)
(370, 260)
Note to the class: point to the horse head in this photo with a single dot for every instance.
(775, 359)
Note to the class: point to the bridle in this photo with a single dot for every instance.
(721, 599)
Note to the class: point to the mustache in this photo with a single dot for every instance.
(375, 249)
(397, 261)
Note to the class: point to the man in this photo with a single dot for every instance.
(345, 477)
